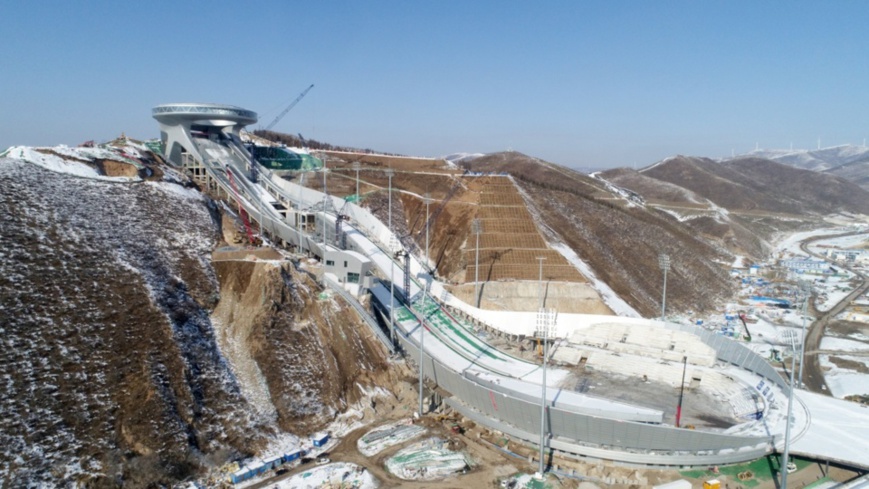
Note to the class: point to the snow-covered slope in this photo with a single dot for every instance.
(817, 159)
(113, 367)
(457, 158)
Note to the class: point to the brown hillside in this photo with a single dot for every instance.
(740, 233)
(652, 189)
(857, 172)
(618, 240)
(756, 184)
(722, 185)
(817, 192)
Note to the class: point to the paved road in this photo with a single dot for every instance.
(813, 375)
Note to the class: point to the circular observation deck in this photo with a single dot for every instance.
(205, 114)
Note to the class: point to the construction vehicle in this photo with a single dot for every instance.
(745, 325)
(712, 484)
(289, 108)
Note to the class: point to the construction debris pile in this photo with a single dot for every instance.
(427, 460)
(383, 437)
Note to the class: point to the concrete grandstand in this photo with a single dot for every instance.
(502, 391)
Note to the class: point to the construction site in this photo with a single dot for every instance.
(404, 314)
(457, 261)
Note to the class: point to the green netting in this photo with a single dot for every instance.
(820, 482)
(284, 159)
(764, 469)
(438, 319)
(155, 145)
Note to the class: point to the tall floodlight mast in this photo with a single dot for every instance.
(807, 294)
(477, 228)
(783, 465)
(299, 210)
(389, 173)
(356, 166)
(664, 263)
(427, 202)
(542, 324)
(423, 313)
(325, 202)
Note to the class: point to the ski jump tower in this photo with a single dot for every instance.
(181, 123)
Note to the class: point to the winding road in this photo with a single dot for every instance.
(813, 375)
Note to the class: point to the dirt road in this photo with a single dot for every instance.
(490, 464)
(813, 375)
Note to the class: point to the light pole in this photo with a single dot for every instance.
(427, 202)
(389, 173)
(325, 201)
(807, 294)
(542, 321)
(477, 228)
(422, 322)
(299, 209)
(784, 462)
(664, 263)
(421, 348)
(356, 166)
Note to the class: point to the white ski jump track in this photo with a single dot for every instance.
(830, 429)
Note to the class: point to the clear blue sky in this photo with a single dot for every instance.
(585, 84)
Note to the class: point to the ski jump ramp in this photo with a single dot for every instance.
(489, 386)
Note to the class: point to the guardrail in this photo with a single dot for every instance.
(587, 435)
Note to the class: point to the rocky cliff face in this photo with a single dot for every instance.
(300, 358)
(118, 365)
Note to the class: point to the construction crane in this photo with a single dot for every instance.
(289, 108)
(747, 332)
(241, 210)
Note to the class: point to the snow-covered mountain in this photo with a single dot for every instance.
(457, 158)
(817, 159)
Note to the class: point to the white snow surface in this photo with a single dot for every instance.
(791, 242)
(814, 159)
(60, 165)
(843, 382)
(455, 158)
(842, 344)
(339, 474)
(838, 431)
(616, 303)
